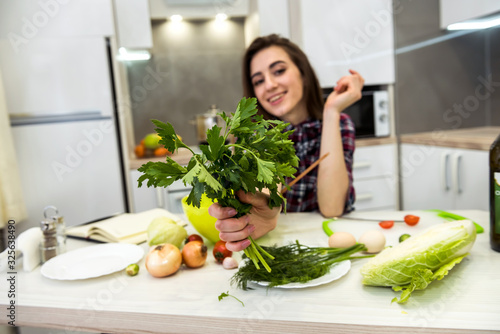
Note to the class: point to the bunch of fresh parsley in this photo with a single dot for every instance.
(261, 158)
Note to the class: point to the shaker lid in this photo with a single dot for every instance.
(55, 216)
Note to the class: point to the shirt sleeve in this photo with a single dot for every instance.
(348, 134)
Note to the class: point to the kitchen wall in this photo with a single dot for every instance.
(195, 64)
(438, 73)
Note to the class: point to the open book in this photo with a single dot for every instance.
(126, 228)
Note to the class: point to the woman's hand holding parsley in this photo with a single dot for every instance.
(235, 231)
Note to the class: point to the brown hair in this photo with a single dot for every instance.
(312, 91)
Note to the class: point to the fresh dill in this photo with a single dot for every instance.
(295, 263)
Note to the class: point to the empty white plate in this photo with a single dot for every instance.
(92, 261)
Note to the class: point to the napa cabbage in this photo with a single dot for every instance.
(419, 260)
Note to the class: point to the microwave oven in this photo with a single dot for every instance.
(371, 114)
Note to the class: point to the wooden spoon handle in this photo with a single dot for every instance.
(304, 172)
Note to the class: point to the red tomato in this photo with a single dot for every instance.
(412, 220)
(386, 223)
(220, 251)
(193, 237)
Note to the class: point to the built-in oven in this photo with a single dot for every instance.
(371, 114)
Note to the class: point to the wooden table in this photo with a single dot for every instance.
(466, 301)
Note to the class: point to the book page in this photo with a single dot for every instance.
(127, 227)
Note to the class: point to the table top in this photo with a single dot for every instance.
(466, 301)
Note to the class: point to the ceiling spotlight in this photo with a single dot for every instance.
(176, 18)
(221, 17)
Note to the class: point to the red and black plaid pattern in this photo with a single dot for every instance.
(302, 197)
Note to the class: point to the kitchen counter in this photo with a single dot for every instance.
(183, 155)
(466, 301)
(479, 138)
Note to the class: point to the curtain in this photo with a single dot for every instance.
(12, 205)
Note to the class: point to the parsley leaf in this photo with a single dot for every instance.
(226, 294)
(262, 157)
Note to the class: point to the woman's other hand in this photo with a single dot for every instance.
(346, 92)
(235, 231)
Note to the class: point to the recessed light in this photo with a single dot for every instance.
(221, 17)
(176, 18)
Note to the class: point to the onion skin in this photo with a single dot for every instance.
(163, 260)
(194, 254)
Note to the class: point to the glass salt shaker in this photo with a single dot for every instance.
(59, 223)
(49, 245)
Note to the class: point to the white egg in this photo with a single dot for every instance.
(341, 240)
(374, 241)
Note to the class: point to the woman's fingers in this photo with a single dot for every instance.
(217, 211)
(238, 245)
(232, 224)
(237, 235)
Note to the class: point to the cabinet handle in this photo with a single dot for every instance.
(364, 197)
(362, 164)
(160, 198)
(457, 163)
(445, 162)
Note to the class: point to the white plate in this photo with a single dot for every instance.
(92, 261)
(336, 271)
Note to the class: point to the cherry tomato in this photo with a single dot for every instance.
(220, 251)
(386, 224)
(193, 237)
(412, 220)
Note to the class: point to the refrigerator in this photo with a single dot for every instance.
(62, 107)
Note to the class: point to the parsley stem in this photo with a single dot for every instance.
(260, 249)
(250, 253)
(261, 259)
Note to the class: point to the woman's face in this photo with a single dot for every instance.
(278, 85)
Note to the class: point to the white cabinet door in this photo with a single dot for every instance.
(56, 76)
(133, 24)
(444, 178)
(342, 35)
(375, 194)
(21, 22)
(74, 166)
(453, 11)
(273, 17)
(470, 179)
(375, 177)
(374, 161)
(425, 180)
(144, 198)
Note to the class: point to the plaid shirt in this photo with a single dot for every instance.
(307, 139)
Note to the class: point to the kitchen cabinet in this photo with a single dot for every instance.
(23, 21)
(267, 17)
(444, 178)
(342, 35)
(454, 11)
(133, 24)
(375, 177)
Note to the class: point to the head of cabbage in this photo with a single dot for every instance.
(416, 262)
(163, 230)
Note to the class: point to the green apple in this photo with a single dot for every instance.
(152, 141)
